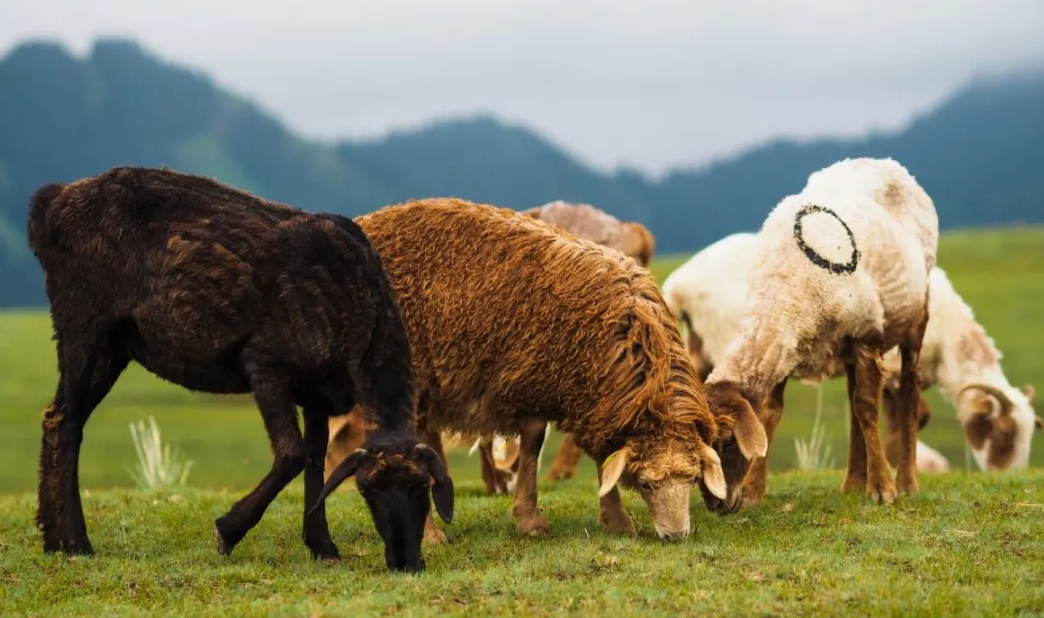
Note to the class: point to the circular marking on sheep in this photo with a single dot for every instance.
(826, 240)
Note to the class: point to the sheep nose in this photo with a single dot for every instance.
(675, 535)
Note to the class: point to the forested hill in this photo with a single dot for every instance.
(980, 155)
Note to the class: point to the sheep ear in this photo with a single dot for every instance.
(750, 433)
(1039, 422)
(343, 470)
(713, 476)
(442, 489)
(978, 428)
(612, 468)
(1028, 391)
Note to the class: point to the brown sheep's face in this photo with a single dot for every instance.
(737, 445)
(663, 470)
(393, 473)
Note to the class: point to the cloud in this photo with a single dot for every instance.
(650, 84)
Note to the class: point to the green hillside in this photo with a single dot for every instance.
(63, 117)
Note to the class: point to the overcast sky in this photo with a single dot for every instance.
(645, 83)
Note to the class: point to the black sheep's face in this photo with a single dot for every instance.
(394, 475)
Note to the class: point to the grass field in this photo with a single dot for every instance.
(968, 545)
(971, 543)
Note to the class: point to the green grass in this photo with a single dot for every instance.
(970, 543)
(967, 545)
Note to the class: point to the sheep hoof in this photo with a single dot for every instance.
(222, 548)
(534, 525)
(434, 536)
(749, 501)
(620, 524)
(559, 475)
(225, 544)
(908, 486)
(882, 494)
(325, 551)
(80, 548)
(854, 484)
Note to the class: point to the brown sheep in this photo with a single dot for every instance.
(513, 324)
(596, 225)
(588, 222)
(223, 292)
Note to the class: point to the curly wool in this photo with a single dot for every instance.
(508, 316)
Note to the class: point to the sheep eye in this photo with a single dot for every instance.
(646, 485)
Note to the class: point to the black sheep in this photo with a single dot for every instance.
(220, 291)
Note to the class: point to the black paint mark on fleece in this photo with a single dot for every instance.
(820, 261)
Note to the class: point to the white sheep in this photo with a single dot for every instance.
(959, 357)
(840, 277)
(707, 293)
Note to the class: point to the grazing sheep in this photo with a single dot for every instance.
(585, 221)
(223, 292)
(588, 222)
(707, 294)
(960, 358)
(513, 324)
(840, 277)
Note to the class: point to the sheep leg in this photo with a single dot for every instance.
(349, 434)
(288, 449)
(495, 479)
(564, 466)
(315, 529)
(524, 508)
(432, 534)
(87, 376)
(891, 427)
(855, 481)
(907, 415)
(756, 478)
(46, 515)
(869, 380)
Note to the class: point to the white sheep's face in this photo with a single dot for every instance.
(998, 425)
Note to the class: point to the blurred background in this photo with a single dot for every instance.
(693, 118)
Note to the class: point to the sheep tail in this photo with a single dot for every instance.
(39, 232)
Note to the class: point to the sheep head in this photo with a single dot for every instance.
(638, 242)
(998, 424)
(741, 438)
(663, 468)
(393, 473)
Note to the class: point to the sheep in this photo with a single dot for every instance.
(956, 353)
(220, 291)
(513, 324)
(962, 359)
(586, 221)
(840, 277)
(707, 294)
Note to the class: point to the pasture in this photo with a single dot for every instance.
(970, 543)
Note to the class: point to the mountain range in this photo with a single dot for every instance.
(979, 154)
